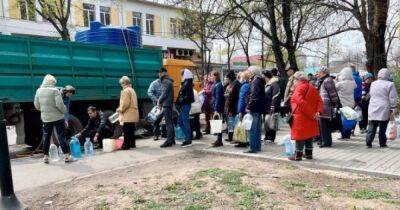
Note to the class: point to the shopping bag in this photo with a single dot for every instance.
(349, 113)
(348, 125)
(391, 131)
(152, 116)
(247, 121)
(359, 113)
(216, 124)
(271, 122)
(336, 122)
(240, 133)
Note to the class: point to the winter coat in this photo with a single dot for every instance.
(345, 88)
(207, 92)
(67, 103)
(49, 102)
(288, 90)
(195, 108)
(231, 97)
(97, 124)
(383, 97)
(306, 102)
(272, 95)
(358, 89)
(154, 91)
(128, 106)
(257, 95)
(217, 102)
(167, 92)
(243, 97)
(330, 98)
(185, 96)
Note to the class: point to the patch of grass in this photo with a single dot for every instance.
(212, 172)
(332, 192)
(103, 205)
(196, 207)
(139, 200)
(305, 188)
(366, 194)
(156, 206)
(99, 186)
(174, 187)
(232, 177)
(199, 184)
(127, 192)
(393, 201)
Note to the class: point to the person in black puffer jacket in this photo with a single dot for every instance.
(273, 98)
(184, 101)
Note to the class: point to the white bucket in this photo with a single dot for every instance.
(108, 145)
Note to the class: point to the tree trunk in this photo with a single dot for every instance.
(289, 46)
(65, 34)
(375, 36)
(247, 57)
(276, 48)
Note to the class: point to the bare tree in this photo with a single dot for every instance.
(371, 16)
(57, 12)
(245, 36)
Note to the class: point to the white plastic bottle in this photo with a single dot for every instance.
(88, 147)
(53, 153)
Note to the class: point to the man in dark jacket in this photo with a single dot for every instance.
(256, 107)
(231, 102)
(217, 102)
(166, 102)
(184, 101)
(97, 128)
(272, 103)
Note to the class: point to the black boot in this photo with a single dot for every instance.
(297, 156)
(308, 154)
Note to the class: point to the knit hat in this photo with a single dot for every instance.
(324, 69)
(231, 75)
(368, 76)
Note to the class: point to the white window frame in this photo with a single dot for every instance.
(87, 14)
(150, 24)
(137, 19)
(103, 15)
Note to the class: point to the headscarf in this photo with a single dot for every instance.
(187, 74)
(384, 74)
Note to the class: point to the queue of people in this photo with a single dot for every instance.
(313, 104)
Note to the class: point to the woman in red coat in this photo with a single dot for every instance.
(306, 105)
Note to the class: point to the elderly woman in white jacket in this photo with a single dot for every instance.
(195, 111)
(345, 86)
(382, 107)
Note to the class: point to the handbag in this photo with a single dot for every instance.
(216, 124)
(289, 118)
(271, 122)
(240, 133)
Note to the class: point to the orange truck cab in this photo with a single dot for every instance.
(175, 67)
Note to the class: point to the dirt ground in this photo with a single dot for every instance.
(201, 181)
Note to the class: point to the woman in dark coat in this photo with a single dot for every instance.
(231, 100)
(217, 102)
(272, 98)
(206, 108)
(184, 101)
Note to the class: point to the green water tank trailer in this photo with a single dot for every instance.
(94, 70)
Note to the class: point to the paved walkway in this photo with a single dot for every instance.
(344, 155)
(350, 155)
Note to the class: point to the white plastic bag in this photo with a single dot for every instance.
(247, 121)
(289, 145)
(216, 124)
(349, 113)
(391, 131)
(152, 116)
(359, 113)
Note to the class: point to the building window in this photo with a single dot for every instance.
(88, 14)
(173, 27)
(105, 15)
(27, 10)
(149, 24)
(137, 19)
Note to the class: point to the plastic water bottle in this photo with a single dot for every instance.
(75, 148)
(53, 153)
(178, 133)
(88, 147)
(289, 148)
(60, 152)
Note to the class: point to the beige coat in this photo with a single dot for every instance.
(128, 106)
